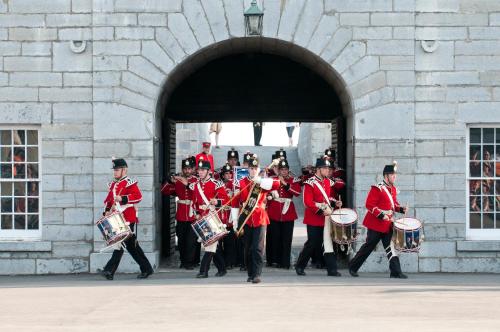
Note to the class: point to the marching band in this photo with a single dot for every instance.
(242, 213)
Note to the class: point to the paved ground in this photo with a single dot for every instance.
(175, 301)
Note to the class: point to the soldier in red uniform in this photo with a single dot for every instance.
(233, 159)
(318, 206)
(179, 186)
(253, 190)
(124, 195)
(228, 243)
(208, 194)
(205, 155)
(381, 204)
(282, 215)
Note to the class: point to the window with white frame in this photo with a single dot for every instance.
(20, 183)
(483, 182)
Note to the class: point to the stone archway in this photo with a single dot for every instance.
(320, 97)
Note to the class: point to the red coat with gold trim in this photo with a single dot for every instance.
(259, 215)
(378, 204)
(131, 195)
(225, 213)
(184, 211)
(285, 192)
(338, 186)
(212, 189)
(313, 216)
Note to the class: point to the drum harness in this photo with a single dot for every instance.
(327, 202)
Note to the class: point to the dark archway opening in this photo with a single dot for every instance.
(243, 87)
(254, 87)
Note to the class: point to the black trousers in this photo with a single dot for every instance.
(313, 244)
(372, 239)
(281, 246)
(257, 133)
(240, 251)
(218, 260)
(228, 247)
(134, 250)
(186, 242)
(254, 249)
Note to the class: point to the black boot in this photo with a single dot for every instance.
(399, 275)
(300, 271)
(331, 264)
(106, 274)
(205, 265)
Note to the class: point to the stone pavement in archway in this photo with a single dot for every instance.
(176, 301)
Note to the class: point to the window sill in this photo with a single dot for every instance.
(475, 245)
(25, 246)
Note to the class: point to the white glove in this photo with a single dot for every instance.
(257, 179)
(235, 212)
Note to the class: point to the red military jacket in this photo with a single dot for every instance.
(208, 157)
(313, 215)
(131, 195)
(378, 203)
(225, 212)
(277, 205)
(337, 187)
(259, 215)
(185, 211)
(211, 189)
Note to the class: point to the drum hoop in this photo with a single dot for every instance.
(397, 221)
(108, 216)
(354, 222)
(215, 238)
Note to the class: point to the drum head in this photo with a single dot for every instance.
(407, 224)
(344, 216)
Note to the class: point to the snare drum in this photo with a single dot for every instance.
(113, 228)
(344, 226)
(407, 235)
(209, 229)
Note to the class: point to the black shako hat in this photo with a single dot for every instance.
(119, 163)
(204, 164)
(233, 154)
(322, 162)
(283, 164)
(280, 153)
(247, 156)
(253, 161)
(188, 162)
(390, 169)
(330, 153)
(225, 169)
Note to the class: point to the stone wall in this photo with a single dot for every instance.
(411, 76)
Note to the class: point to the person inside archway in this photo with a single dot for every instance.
(178, 185)
(233, 158)
(205, 155)
(290, 126)
(381, 204)
(208, 194)
(317, 201)
(282, 215)
(228, 243)
(215, 128)
(253, 217)
(257, 132)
